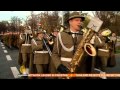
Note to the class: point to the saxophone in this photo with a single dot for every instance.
(84, 46)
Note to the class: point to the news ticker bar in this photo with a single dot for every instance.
(71, 75)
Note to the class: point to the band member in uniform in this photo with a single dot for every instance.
(66, 44)
(20, 42)
(52, 68)
(55, 32)
(113, 38)
(10, 40)
(25, 49)
(41, 54)
(103, 50)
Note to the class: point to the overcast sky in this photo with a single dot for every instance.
(6, 15)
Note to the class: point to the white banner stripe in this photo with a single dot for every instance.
(15, 72)
(8, 57)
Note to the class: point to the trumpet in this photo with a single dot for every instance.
(49, 38)
(106, 32)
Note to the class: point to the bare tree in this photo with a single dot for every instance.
(15, 23)
(111, 20)
(4, 26)
(49, 20)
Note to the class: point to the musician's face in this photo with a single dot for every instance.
(75, 23)
(113, 34)
(55, 33)
(41, 35)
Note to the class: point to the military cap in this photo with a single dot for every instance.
(76, 15)
(40, 31)
(28, 31)
(106, 32)
(56, 30)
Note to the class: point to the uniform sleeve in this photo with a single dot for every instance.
(56, 53)
(21, 39)
(115, 40)
(99, 43)
(36, 46)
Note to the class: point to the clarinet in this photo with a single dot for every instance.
(49, 51)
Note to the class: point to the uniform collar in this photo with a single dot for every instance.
(38, 39)
(74, 32)
(71, 32)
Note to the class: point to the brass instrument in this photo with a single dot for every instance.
(48, 49)
(27, 48)
(84, 30)
(49, 38)
(28, 35)
(84, 45)
(106, 32)
(26, 38)
(88, 48)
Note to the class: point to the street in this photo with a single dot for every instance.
(8, 63)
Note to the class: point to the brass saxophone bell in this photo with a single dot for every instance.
(89, 49)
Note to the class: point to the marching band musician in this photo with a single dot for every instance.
(50, 39)
(52, 68)
(20, 41)
(41, 54)
(103, 48)
(113, 38)
(66, 44)
(25, 50)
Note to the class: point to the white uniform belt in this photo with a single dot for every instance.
(103, 50)
(66, 59)
(41, 51)
(26, 44)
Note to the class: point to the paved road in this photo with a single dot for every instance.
(9, 68)
(116, 69)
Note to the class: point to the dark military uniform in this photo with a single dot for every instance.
(41, 56)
